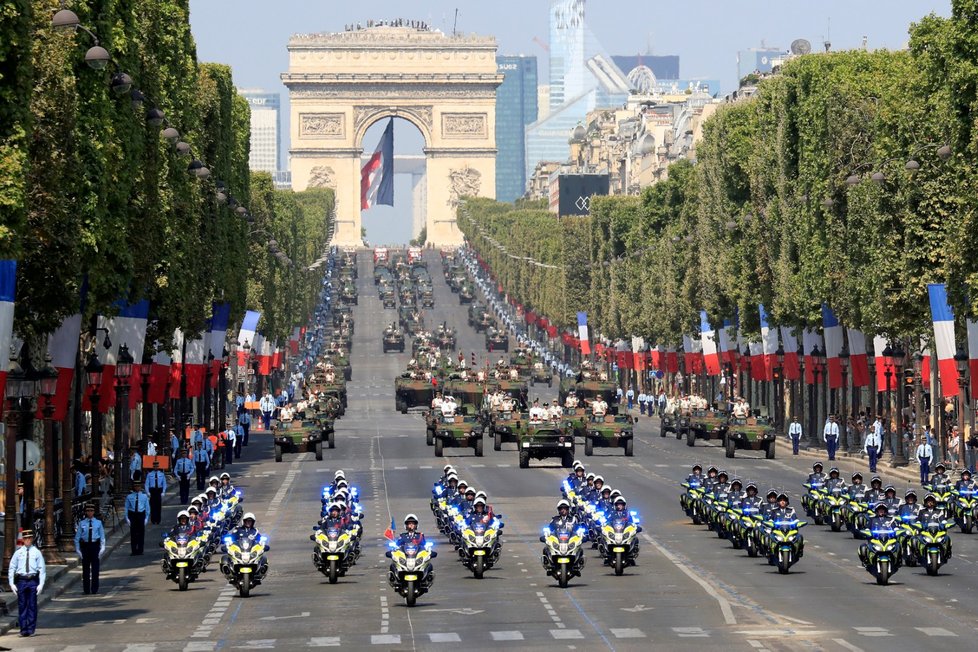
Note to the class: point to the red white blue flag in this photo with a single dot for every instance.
(377, 176)
(943, 318)
(8, 285)
(582, 333)
(710, 357)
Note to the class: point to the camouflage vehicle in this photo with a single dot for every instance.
(578, 420)
(456, 277)
(496, 340)
(329, 382)
(706, 424)
(413, 392)
(405, 291)
(393, 340)
(546, 439)
(421, 343)
(466, 293)
(299, 436)
(516, 387)
(342, 314)
(753, 434)
(419, 270)
(610, 431)
(590, 389)
(505, 426)
(675, 423)
(409, 300)
(540, 373)
(468, 393)
(459, 432)
(480, 318)
(388, 298)
(382, 273)
(348, 294)
(445, 338)
(347, 274)
(426, 296)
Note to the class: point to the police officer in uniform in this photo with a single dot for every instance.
(202, 462)
(184, 467)
(156, 485)
(89, 545)
(794, 433)
(26, 574)
(137, 516)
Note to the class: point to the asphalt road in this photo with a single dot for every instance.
(690, 589)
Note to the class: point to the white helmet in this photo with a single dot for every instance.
(248, 515)
(339, 474)
(214, 478)
(479, 501)
(182, 513)
(563, 503)
(409, 518)
(481, 494)
(335, 506)
(448, 467)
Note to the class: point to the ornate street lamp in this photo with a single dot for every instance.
(123, 371)
(47, 379)
(899, 356)
(145, 376)
(961, 361)
(817, 362)
(93, 378)
(17, 387)
(779, 389)
(847, 444)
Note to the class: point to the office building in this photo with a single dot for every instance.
(663, 67)
(266, 131)
(516, 107)
(757, 60)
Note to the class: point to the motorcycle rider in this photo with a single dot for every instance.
(226, 490)
(910, 507)
(929, 512)
(857, 490)
(196, 522)
(183, 525)
(334, 518)
(464, 504)
(576, 476)
(564, 520)
(447, 471)
(890, 499)
(479, 513)
(834, 481)
(769, 505)
(594, 494)
(875, 493)
(751, 497)
(722, 486)
(966, 482)
(816, 477)
(485, 498)
(696, 475)
(881, 521)
(940, 479)
(710, 479)
(736, 495)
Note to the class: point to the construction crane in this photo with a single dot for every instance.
(537, 40)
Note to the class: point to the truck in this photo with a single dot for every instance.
(753, 434)
(540, 440)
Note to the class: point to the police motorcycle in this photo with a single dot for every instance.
(183, 556)
(932, 544)
(335, 550)
(964, 507)
(563, 556)
(618, 545)
(880, 555)
(411, 574)
(831, 507)
(856, 515)
(244, 564)
(746, 533)
(480, 544)
(692, 499)
(943, 492)
(813, 499)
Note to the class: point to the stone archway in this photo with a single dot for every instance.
(341, 83)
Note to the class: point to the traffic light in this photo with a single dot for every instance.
(908, 377)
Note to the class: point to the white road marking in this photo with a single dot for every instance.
(691, 632)
(725, 607)
(566, 634)
(449, 637)
(506, 636)
(262, 644)
(324, 641)
(872, 631)
(935, 631)
(385, 639)
(847, 645)
(628, 632)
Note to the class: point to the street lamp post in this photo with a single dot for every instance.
(746, 385)
(848, 444)
(93, 378)
(779, 390)
(123, 370)
(222, 392)
(207, 392)
(900, 456)
(48, 381)
(888, 376)
(961, 360)
(17, 388)
(145, 375)
(816, 362)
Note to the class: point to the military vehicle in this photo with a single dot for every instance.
(751, 434)
(299, 436)
(496, 339)
(540, 440)
(610, 431)
(706, 424)
(411, 392)
(393, 340)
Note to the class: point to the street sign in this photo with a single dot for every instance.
(28, 455)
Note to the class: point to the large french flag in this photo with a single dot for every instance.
(693, 354)
(129, 328)
(582, 333)
(195, 366)
(8, 287)
(377, 175)
(728, 350)
(943, 318)
(810, 339)
(159, 377)
(294, 340)
(879, 345)
(792, 368)
(769, 344)
(858, 361)
(710, 356)
(63, 349)
(759, 368)
(217, 337)
(249, 327)
(833, 346)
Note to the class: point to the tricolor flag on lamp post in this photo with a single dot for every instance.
(216, 339)
(8, 286)
(973, 347)
(582, 333)
(129, 328)
(377, 176)
(249, 326)
(710, 356)
(943, 318)
(792, 370)
(858, 362)
(769, 345)
(833, 346)
(63, 347)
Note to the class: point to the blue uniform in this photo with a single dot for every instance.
(184, 467)
(26, 575)
(80, 483)
(137, 515)
(156, 486)
(201, 462)
(90, 544)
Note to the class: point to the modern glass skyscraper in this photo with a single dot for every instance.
(568, 76)
(266, 131)
(516, 107)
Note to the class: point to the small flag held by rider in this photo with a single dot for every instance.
(389, 533)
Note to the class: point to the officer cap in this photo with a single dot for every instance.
(27, 534)
(89, 506)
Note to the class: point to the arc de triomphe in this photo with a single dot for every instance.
(342, 83)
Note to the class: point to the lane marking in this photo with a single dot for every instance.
(847, 645)
(507, 636)
(725, 607)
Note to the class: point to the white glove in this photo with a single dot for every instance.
(39, 591)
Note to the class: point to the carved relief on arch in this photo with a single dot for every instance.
(322, 176)
(463, 182)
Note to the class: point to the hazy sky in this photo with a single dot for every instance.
(251, 36)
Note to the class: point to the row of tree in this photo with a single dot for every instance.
(96, 206)
(847, 178)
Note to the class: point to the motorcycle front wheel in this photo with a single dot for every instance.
(883, 574)
(333, 572)
(619, 564)
(933, 563)
(244, 587)
(479, 568)
(410, 597)
(182, 579)
(784, 562)
(563, 577)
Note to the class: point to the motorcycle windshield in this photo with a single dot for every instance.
(479, 528)
(182, 540)
(563, 536)
(333, 533)
(411, 550)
